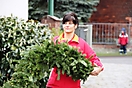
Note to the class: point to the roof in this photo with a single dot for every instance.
(53, 17)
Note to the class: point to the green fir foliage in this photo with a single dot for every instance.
(38, 60)
(83, 8)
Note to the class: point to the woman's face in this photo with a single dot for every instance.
(69, 27)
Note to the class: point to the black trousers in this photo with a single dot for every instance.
(123, 48)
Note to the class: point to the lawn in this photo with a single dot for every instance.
(113, 54)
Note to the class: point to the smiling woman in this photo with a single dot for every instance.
(70, 23)
(69, 27)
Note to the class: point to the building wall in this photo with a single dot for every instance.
(112, 11)
(52, 23)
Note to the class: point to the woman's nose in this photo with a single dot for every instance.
(67, 24)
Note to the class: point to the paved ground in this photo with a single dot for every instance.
(117, 74)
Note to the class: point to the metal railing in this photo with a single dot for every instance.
(85, 32)
(103, 33)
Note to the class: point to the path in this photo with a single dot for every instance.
(117, 74)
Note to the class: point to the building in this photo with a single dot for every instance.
(113, 15)
(113, 11)
(52, 21)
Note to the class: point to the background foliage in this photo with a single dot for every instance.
(83, 8)
(15, 35)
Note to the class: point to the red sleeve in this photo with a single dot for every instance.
(55, 38)
(90, 52)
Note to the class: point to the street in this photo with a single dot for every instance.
(117, 74)
(117, 60)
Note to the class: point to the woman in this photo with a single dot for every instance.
(70, 23)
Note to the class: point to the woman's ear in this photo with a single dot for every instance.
(76, 26)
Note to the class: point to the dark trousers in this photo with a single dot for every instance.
(123, 48)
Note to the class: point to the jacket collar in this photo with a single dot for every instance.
(75, 38)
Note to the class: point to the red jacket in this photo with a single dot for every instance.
(65, 81)
(123, 39)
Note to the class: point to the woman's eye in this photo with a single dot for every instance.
(68, 23)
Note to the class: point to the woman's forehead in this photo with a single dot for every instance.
(70, 21)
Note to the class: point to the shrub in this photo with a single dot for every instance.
(15, 35)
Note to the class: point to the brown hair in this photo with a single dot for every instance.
(70, 17)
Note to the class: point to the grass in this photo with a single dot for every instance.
(113, 54)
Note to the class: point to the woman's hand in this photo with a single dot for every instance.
(96, 71)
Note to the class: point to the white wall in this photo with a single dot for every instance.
(18, 8)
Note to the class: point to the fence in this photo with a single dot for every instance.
(85, 32)
(103, 33)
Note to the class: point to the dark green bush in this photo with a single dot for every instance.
(15, 35)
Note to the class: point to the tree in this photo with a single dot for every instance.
(37, 9)
(83, 8)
